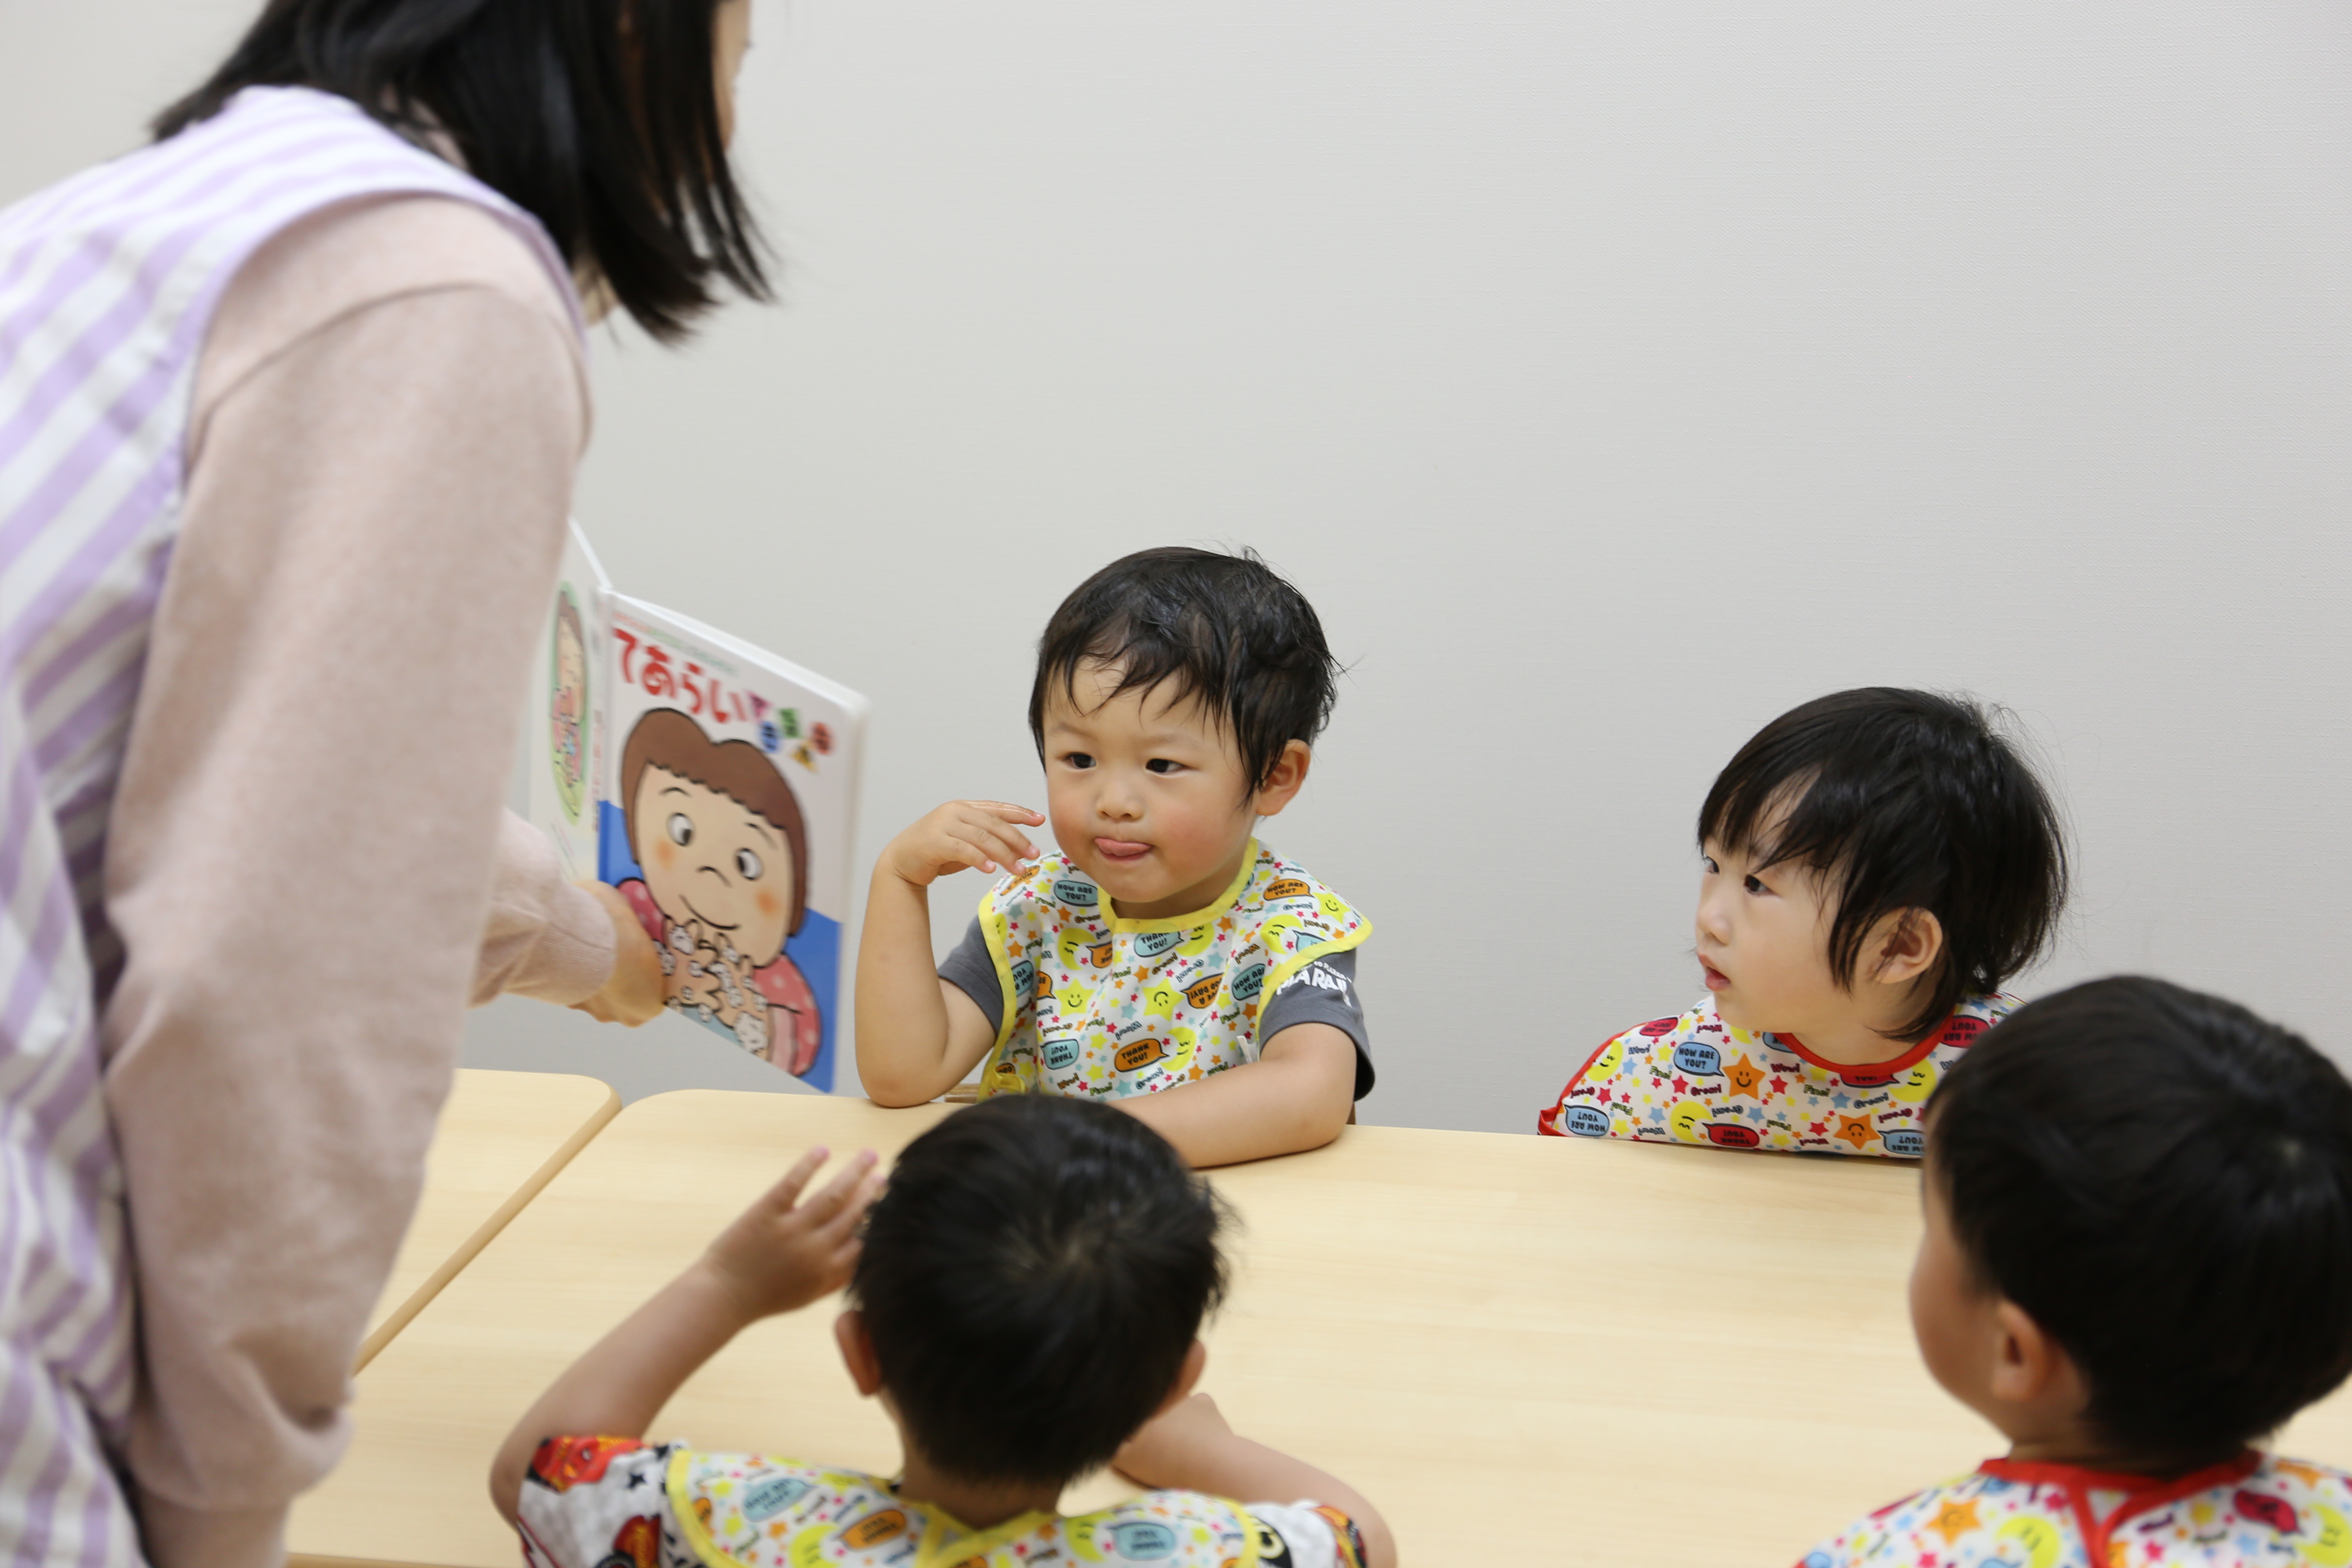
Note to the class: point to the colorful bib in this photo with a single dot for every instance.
(2254, 1510)
(613, 1502)
(1696, 1080)
(1100, 1006)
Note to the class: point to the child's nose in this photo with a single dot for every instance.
(1712, 922)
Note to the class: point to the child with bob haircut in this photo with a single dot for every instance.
(1874, 864)
(2137, 1261)
(1026, 1304)
(1163, 960)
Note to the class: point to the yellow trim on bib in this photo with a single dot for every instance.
(1276, 981)
(930, 1550)
(689, 1523)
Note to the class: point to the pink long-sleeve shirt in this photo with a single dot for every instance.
(308, 865)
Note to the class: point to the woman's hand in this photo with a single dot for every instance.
(633, 992)
(980, 834)
(780, 1254)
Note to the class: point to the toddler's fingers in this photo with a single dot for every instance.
(1012, 812)
(787, 1192)
(821, 1209)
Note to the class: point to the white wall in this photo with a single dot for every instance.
(1611, 378)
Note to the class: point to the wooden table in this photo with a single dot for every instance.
(1524, 1350)
(502, 1137)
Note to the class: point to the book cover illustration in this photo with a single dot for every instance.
(715, 786)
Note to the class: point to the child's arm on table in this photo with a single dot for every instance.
(774, 1259)
(914, 1042)
(1295, 1096)
(1191, 1447)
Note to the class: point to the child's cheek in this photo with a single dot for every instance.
(666, 855)
(766, 903)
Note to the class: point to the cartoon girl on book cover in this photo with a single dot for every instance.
(568, 707)
(718, 835)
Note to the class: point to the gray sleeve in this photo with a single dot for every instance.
(1324, 992)
(972, 969)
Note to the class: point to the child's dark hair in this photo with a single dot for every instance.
(2163, 1182)
(1033, 1280)
(1225, 628)
(1904, 800)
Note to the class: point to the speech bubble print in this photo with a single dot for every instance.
(874, 1529)
(1249, 983)
(1024, 975)
(1077, 894)
(1141, 1054)
(1139, 1541)
(1152, 944)
(1061, 1054)
(1686, 1119)
(1866, 1078)
(1907, 1141)
(1699, 1058)
(1286, 887)
(767, 1498)
(2273, 1511)
(1203, 991)
(1659, 1028)
(1914, 1087)
(1605, 1065)
(1585, 1120)
(1732, 1135)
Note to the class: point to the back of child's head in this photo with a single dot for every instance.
(1225, 631)
(1904, 800)
(2163, 1182)
(1033, 1280)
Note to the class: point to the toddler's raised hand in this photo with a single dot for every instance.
(780, 1254)
(982, 835)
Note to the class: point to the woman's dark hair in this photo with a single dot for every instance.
(1225, 628)
(598, 117)
(2163, 1182)
(1904, 800)
(1033, 1280)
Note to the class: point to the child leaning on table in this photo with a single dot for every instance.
(1026, 1305)
(2137, 1261)
(1163, 960)
(1874, 865)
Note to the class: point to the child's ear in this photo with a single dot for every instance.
(1188, 1378)
(2028, 1366)
(1282, 785)
(1912, 945)
(857, 1351)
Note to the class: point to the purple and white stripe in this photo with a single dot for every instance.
(107, 282)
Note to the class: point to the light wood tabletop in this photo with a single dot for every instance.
(502, 1137)
(1524, 1350)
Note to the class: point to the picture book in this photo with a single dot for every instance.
(715, 784)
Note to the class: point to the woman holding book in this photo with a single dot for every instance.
(291, 404)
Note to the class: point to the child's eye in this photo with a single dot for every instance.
(1756, 885)
(749, 863)
(1078, 759)
(1706, 863)
(681, 828)
(1161, 765)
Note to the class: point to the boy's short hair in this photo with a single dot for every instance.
(2163, 1182)
(1226, 629)
(1904, 800)
(1033, 1280)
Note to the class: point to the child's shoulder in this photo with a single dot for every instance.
(1290, 909)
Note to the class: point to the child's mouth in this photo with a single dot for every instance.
(1716, 979)
(1121, 851)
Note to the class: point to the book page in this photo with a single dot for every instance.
(727, 802)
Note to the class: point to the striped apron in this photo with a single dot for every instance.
(107, 284)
